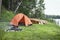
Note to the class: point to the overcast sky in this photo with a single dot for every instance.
(52, 7)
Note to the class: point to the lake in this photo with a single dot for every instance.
(57, 21)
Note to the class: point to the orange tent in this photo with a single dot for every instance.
(20, 18)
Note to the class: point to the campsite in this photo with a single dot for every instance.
(26, 20)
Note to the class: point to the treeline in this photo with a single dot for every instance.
(53, 16)
(31, 8)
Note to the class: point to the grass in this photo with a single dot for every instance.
(35, 32)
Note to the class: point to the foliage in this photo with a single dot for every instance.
(6, 15)
(27, 6)
(53, 16)
(50, 20)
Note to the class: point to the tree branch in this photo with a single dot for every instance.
(19, 3)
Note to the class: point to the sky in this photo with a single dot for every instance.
(52, 7)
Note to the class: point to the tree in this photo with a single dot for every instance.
(0, 6)
(32, 8)
(38, 10)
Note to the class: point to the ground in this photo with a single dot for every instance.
(48, 31)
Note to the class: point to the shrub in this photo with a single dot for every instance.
(6, 15)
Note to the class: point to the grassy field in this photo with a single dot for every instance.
(48, 31)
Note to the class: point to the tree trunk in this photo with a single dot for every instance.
(0, 6)
(19, 3)
(9, 4)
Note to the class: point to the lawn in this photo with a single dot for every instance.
(48, 31)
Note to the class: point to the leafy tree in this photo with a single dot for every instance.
(32, 8)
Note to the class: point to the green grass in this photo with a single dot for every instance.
(35, 32)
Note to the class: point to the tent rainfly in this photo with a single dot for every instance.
(22, 19)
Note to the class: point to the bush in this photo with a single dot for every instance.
(49, 19)
(6, 15)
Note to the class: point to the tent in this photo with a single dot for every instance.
(22, 19)
(38, 21)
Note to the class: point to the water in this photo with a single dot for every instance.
(57, 21)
